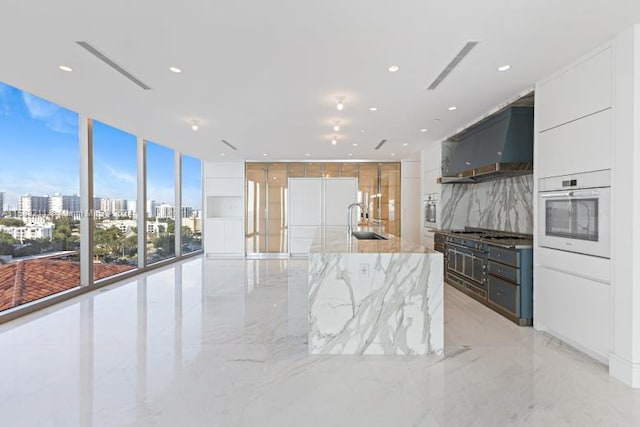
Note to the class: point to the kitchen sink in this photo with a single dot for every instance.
(368, 235)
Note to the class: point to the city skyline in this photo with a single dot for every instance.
(49, 133)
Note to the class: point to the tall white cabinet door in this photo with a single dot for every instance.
(305, 201)
(233, 236)
(339, 193)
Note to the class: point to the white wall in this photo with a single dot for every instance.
(624, 360)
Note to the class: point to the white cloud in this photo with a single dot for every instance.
(121, 175)
(55, 118)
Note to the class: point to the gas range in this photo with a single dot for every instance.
(478, 236)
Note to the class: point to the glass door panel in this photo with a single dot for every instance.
(256, 200)
(277, 208)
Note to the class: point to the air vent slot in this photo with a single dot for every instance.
(228, 144)
(380, 144)
(453, 64)
(113, 64)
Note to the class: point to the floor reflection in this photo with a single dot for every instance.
(223, 342)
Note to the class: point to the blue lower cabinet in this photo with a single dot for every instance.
(510, 283)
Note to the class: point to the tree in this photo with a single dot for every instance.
(108, 242)
(11, 222)
(6, 238)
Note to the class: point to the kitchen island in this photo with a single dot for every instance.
(374, 296)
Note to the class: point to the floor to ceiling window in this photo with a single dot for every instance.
(40, 201)
(39, 179)
(160, 209)
(191, 233)
(115, 235)
(266, 197)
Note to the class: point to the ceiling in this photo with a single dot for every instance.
(264, 75)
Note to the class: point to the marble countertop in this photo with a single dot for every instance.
(334, 239)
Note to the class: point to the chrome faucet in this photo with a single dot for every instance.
(350, 215)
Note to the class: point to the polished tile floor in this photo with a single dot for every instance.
(223, 343)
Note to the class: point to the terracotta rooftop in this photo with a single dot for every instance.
(29, 280)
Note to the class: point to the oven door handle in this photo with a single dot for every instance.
(569, 194)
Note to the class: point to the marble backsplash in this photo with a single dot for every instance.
(505, 204)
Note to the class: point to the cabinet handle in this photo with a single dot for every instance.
(499, 293)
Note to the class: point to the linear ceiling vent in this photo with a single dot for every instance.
(380, 144)
(453, 64)
(111, 63)
(228, 144)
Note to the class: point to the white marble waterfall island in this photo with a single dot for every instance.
(374, 296)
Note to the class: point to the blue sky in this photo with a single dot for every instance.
(39, 146)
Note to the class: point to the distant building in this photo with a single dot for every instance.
(1, 203)
(124, 225)
(151, 208)
(118, 207)
(64, 205)
(33, 205)
(132, 208)
(193, 223)
(187, 212)
(165, 210)
(30, 231)
(97, 203)
(157, 227)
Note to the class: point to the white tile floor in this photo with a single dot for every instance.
(223, 343)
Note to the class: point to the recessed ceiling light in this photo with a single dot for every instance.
(175, 70)
(265, 155)
(349, 154)
(66, 68)
(373, 109)
(393, 154)
(307, 154)
(355, 144)
(504, 68)
(393, 68)
(405, 144)
(452, 108)
(340, 103)
(334, 140)
(336, 126)
(194, 125)
(222, 154)
(436, 120)
(424, 130)
(467, 163)
(361, 130)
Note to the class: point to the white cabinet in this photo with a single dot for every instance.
(338, 193)
(580, 146)
(431, 165)
(315, 202)
(224, 236)
(574, 309)
(224, 208)
(224, 186)
(224, 170)
(306, 207)
(411, 197)
(583, 89)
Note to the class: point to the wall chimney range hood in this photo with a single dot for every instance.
(499, 146)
